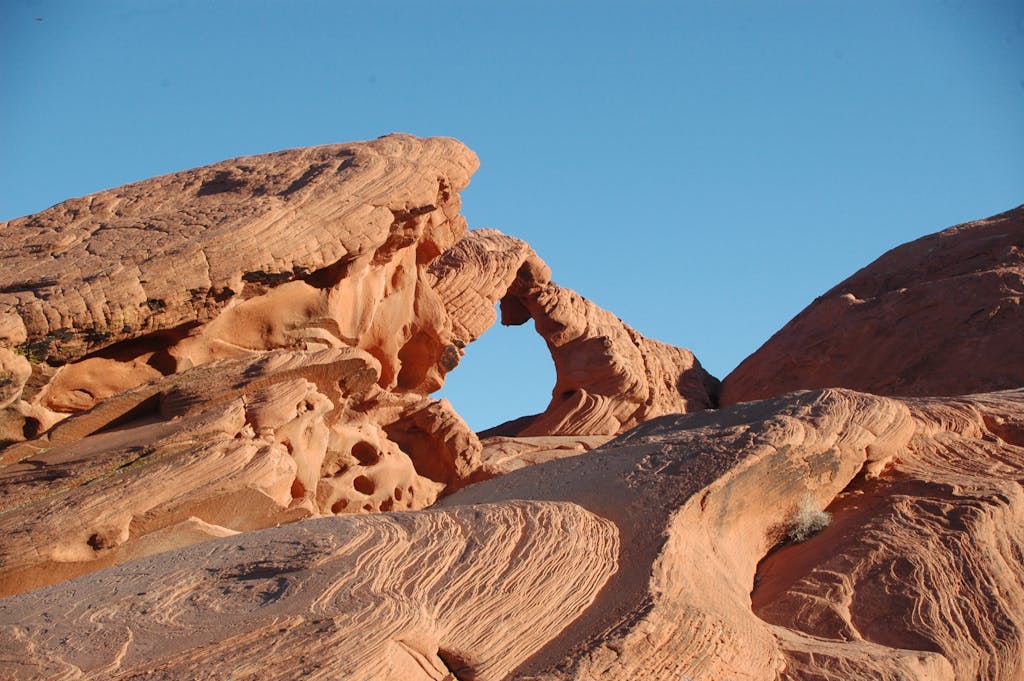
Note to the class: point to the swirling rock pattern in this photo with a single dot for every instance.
(942, 315)
(661, 555)
(918, 576)
(404, 596)
(188, 361)
(255, 340)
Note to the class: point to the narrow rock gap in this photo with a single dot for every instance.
(458, 668)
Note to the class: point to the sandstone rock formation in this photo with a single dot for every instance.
(609, 377)
(942, 315)
(258, 339)
(661, 555)
(302, 249)
(241, 337)
(190, 361)
(230, 446)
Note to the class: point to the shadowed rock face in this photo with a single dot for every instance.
(257, 340)
(942, 315)
(660, 555)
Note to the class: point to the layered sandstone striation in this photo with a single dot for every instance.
(253, 340)
(942, 315)
(609, 377)
(660, 555)
(305, 249)
(407, 597)
(214, 392)
(258, 340)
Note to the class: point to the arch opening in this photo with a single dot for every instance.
(505, 374)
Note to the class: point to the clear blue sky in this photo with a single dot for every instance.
(702, 169)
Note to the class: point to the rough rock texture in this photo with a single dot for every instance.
(301, 249)
(230, 446)
(643, 559)
(256, 340)
(253, 339)
(609, 377)
(357, 245)
(187, 362)
(942, 315)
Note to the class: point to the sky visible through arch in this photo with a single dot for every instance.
(702, 169)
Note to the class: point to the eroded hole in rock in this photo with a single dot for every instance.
(364, 485)
(298, 489)
(365, 453)
(99, 541)
(515, 361)
(31, 428)
(339, 506)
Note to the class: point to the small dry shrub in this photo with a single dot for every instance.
(807, 522)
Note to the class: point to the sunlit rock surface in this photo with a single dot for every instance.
(252, 343)
(609, 377)
(214, 400)
(661, 555)
(942, 315)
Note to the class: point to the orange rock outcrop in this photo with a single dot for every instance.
(214, 395)
(259, 338)
(303, 249)
(942, 315)
(661, 555)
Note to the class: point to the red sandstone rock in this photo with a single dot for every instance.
(661, 555)
(308, 248)
(942, 315)
(217, 334)
(257, 339)
(609, 377)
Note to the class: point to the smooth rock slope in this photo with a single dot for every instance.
(942, 315)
